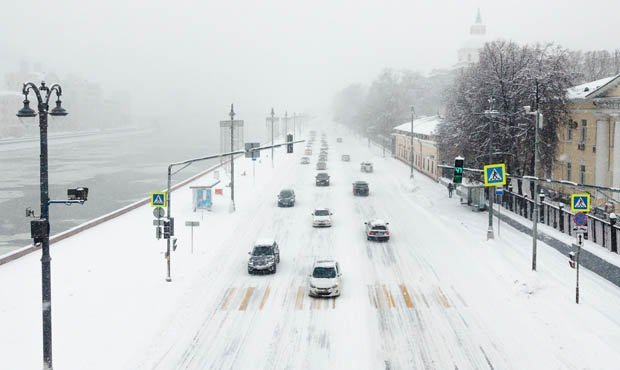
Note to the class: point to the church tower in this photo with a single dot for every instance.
(468, 53)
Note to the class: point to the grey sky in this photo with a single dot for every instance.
(198, 56)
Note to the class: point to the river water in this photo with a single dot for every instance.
(118, 168)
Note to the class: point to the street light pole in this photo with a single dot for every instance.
(272, 119)
(285, 123)
(491, 112)
(232, 159)
(46, 282)
(536, 196)
(411, 142)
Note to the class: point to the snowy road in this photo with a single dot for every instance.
(436, 296)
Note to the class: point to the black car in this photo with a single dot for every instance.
(360, 188)
(322, 179)
(286, 198)
(264, 257)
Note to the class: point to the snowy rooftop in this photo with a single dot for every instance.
(424, 125)
(583, 90)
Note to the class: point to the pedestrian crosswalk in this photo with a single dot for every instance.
(295, 297)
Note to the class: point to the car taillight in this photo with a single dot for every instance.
(387, 233)
(371, 233)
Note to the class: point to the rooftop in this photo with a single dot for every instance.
(584, 90)
(423, 125)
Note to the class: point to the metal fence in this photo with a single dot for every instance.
(600, 231)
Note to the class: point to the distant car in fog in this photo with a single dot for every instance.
(339, 140)
(360, 188)
(346, 158)
(286, 198)
(377, 230)
(322, 179)
(321, 217)
(321, 166)
(305, 160)
(366, 167)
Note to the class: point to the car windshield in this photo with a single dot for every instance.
(379, 227)
(324, 272)
(262, 250)
(321, 212)
(322, 175)
(286, 193)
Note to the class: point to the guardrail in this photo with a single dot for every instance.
(99, 220)
(599, 230)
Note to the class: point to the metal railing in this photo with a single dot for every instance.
(558, 217)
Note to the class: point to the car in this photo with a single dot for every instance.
(366, 167)
(325, 279)
(286, 198)
(321, 166)
(345, 158)
(322, 179)
(360, 188)
(339, 140)
(305, 160)
(321, 217)
(323, 158)
(377, 230)
(264, 257)
(308, 151)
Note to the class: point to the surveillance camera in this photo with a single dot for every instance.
(527, 108)
(78, 194)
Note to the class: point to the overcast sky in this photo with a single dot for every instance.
(195, 57)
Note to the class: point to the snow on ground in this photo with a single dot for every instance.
(436, 296)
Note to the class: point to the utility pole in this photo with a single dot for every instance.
(272, 119)
(490, 113)
(411, 142)
(285, 123)
(232, 159)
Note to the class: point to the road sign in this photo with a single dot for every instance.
(159, 199)
(192, 223)
(254, 153)
(580, 202)
(158, 212)
(495, 174)
(499, 191)
(580, 219)
(158, 222)
(580, 229)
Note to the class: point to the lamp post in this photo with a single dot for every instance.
(232, 158)
(411, 142)
(43, 94)
(535, 217)
(490, 113)
(272, 119)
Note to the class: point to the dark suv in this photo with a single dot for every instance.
(264, 257)
(286, 198)
(322, 179)
(360, 188)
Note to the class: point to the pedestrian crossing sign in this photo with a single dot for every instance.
(159, 199)
(495, 174)
(580, 202)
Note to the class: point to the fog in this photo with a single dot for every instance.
(186, 61)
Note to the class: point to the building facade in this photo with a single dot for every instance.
(468, 53)
(589, 146)
(424, 151)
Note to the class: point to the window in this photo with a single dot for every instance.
(584, 132)
(569, 133)
(568, 171)
(582, 174)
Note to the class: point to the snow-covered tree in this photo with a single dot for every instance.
(514, 76)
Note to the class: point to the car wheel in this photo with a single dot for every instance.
(249, 271)
(278, 259)
(368, 238)
(274, 269)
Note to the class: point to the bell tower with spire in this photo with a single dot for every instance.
(468, 53)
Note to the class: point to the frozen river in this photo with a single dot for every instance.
(118, 168)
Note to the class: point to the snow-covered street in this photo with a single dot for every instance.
(437, 295)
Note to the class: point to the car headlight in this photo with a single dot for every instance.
(312, 286)
(251, 263)
(335, 286)
(270, 260)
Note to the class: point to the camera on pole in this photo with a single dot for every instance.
(458, 170)
(289, 145)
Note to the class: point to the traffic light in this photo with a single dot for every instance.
(458, 170)
(289, 146)
(166, 229)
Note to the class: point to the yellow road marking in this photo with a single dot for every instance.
(442, 298)
(316, 304)
(265, 296)
(405, 293)
(388, 296)
(229, 293)
(299, 303)
(244, 303)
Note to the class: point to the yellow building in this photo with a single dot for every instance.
(424, 152)
(587, 150)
